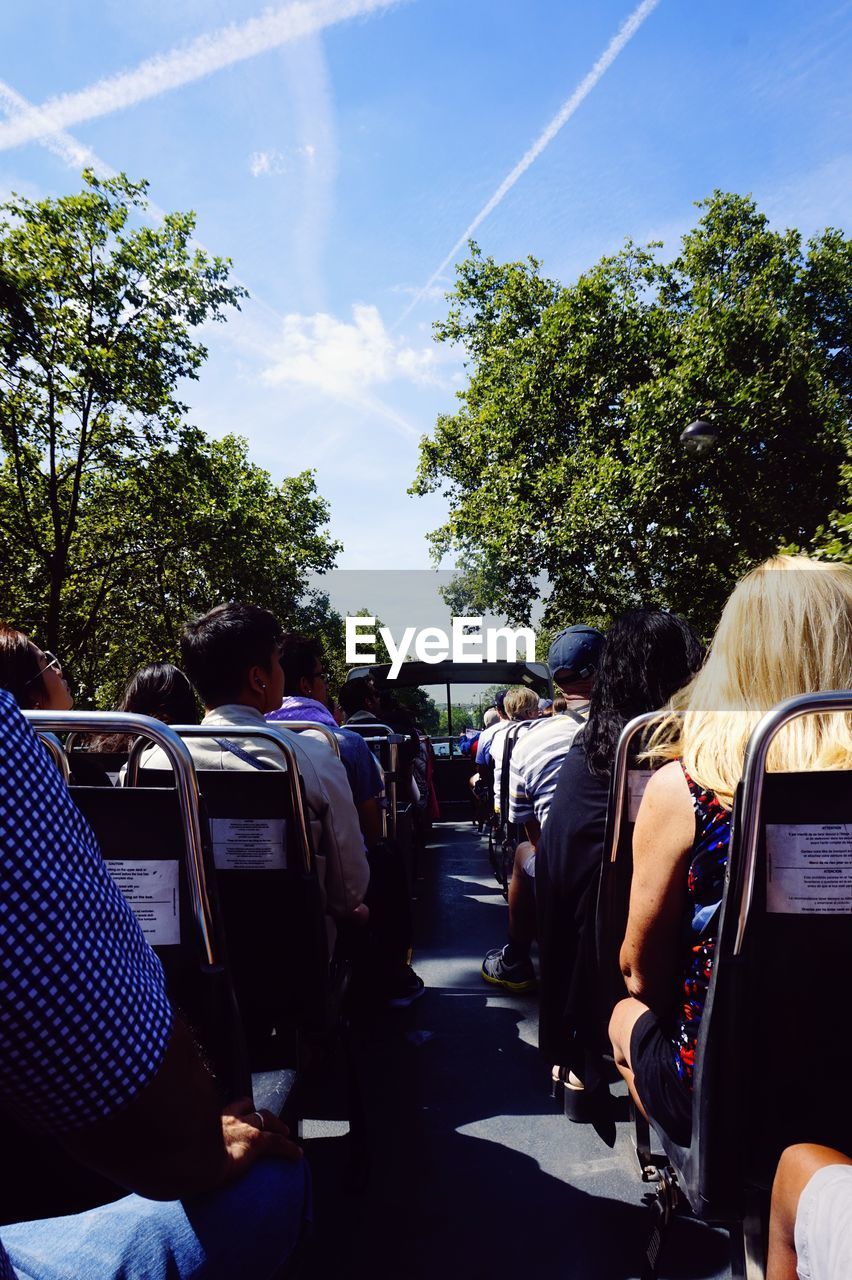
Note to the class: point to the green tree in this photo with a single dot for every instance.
(833, 541)
(96, 321)
(463, 718)
(564, 456)
(422, 707)
(119, 520)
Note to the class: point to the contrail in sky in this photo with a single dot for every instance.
(71, 152)
(76, 155)
(622, 37)
(181, 66)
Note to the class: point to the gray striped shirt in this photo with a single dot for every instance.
(536, 761)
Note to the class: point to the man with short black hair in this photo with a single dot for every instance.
(231, 655)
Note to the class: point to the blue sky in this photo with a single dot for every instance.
(338, 170)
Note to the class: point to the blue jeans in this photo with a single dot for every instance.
(248, 1229)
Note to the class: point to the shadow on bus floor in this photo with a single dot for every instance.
(474, 1172)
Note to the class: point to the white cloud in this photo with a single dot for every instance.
(347, 359)
(264, 163)
(194, 61)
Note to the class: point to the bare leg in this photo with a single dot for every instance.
(625, 1015)
(795, 1169)
(522, 918)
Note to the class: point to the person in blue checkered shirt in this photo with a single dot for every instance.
(92, 1053)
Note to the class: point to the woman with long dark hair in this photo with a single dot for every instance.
(647, 656)
(159, 689)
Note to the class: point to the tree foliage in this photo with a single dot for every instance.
(564, 457)
(118, 519)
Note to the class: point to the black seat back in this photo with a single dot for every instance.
(270, 896)
(627, 784)
(157, 846)
(384, 744)
(770, 1065)
(96, 768)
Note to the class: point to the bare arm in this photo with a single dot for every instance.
(795, 1170)
(174, 1140)
(533, 829)
(662, 842)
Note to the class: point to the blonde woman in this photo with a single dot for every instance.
(786, 630)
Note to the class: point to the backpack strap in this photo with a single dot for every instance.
(225, 744)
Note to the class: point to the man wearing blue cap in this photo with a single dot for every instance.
(534, 768)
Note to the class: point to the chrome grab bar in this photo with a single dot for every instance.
(185, 782)
(300, 726)
(619, 771)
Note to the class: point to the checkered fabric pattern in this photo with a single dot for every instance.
(84, 1017)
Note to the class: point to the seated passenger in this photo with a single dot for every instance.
(537, 758)
(92, 1053)
(810, 1225)
(159, 690)
(360, 701)
(786, 630)
(519, 707)
(306, 697)
(231, 657)
(534, 766)
(480, 781)
(491, 728)
(646, 657)
(380, 957)
(33, 676)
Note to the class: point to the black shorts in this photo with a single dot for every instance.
(665, 1097)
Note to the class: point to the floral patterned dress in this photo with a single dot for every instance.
(704, 896)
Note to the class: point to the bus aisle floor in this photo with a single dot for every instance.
(475, 1173)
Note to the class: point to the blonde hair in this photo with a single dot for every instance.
(521, 703)
(785, 630)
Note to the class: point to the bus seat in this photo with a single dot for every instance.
(627, 784)
(272, 910)
(770, 1063)
(140, 834)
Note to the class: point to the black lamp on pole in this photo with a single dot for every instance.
(700, 437)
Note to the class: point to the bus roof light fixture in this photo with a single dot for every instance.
(700, 437)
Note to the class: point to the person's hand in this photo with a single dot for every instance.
(360, 915)
(253, 1135)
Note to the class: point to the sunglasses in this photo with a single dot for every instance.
(52, 662)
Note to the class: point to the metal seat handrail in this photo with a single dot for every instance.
(186, 784)
(267, 732)
(60, 759)
(382, 734)
(301, 726)
(619, 771)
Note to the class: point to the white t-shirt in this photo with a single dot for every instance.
(824, 1225)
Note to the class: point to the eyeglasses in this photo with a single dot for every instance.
(52, 662)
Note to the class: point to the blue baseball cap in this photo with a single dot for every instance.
(575, 653)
